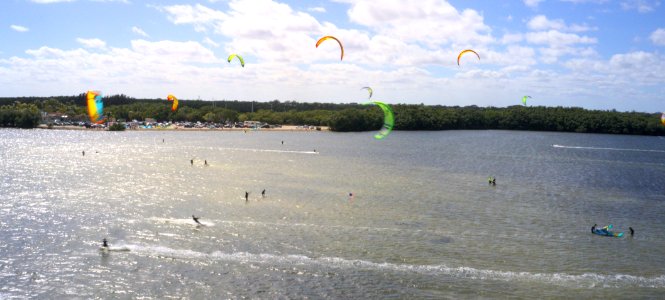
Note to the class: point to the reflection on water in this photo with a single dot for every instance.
(422, 222)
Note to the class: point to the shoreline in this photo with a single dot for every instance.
(290, 128)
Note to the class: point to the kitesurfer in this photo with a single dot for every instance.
(205, 162)
(593, 228)
(83, 153)
(632, 232)
(263, 193)
(493, 180)
(282, 142)
(192, 161)
(246, 197)
(196, 220)
(489, 180)
(105, 243)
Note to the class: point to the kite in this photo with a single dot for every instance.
(662, 118)
(95, 107)
(466, 51)
(329, 37)
(369, 89)
(175, 102)
(242, 61)
(388, 120)
(524, 99)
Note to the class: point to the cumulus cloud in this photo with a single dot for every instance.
(19, 28)
(431, 22)
(541, 22)
(658, 37)
(91, 43)
(139, 31)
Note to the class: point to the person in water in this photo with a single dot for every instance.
(205, 162)
(191, 161)
(493, 180)
(83, 153)
(632, 232)
(263, 193)
(246, 197)
(282, 142)
(196, 220)
(593, 228)
(105, 243)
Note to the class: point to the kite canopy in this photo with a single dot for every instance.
(662, 118)
(170, 97)
(329, 37)
(464, 52)
(95, 107)
(369, 89)
(388, 120)
(524, 99)
(242, 61)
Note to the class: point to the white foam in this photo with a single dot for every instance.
(579, 280)
(611, 149)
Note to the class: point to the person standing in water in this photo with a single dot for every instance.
(246, 197)
(205, 162)
(196, 220)
(263, 193)
(191, 161)
(105, 243)
(83, 152)
(282, 142)
(632, 232)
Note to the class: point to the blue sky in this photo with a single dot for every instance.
(599, 54)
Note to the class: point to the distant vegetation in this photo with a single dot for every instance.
(24, 112)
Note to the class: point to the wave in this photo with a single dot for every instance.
(611, 149)
(593, 280)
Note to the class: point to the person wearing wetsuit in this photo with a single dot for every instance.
(105, 243)
(246, 197)
(593, 228)
(196, 220)
(632, 232)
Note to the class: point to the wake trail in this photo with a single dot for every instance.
(585, 280)
(610, 149)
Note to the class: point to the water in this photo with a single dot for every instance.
(423, 222)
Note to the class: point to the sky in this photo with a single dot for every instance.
(596, 54)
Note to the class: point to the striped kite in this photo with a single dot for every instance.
(329, 37)
(466, 51)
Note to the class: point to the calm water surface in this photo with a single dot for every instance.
(423, 222)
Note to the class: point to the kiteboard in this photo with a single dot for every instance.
(605, 231)
(115, 249)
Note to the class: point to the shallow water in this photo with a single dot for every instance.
(422, 223)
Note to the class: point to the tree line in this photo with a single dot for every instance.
(24, 112)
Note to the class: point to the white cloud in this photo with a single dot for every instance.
(541, 22)
(91, 43)
(200, 16)
(642, 6)
(210, 42)
(658, 37)
(139, 31)
(319, 9)
(511, 38)
(532, 3)
(19, 28)
(431, 22)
